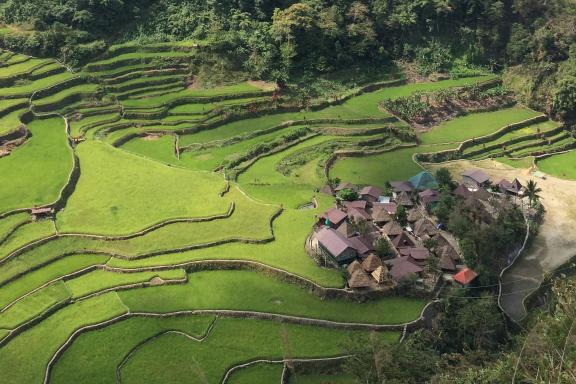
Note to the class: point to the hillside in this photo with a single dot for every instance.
(296, 192)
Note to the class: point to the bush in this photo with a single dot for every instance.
(348, 194)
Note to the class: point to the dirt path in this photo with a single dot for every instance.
(556, 240)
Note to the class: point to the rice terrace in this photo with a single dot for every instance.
(166, 217)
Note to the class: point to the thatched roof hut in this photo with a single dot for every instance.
(353, 266)
(371, 263)
(380, 274)
(359, 279)
(392, 229)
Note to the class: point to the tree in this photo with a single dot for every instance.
(383, 249)
(348, 194)
(444, 177)
(532, 192)
(564, 99)
(401, 215)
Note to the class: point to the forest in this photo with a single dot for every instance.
(530, 41)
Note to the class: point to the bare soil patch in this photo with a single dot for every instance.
(263, 85)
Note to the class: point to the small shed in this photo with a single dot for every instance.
(41, 212)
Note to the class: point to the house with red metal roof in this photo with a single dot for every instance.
(465, 276)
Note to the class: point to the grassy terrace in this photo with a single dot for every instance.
(82, 90)
(119, 60)
(518, 133)
(22, 68)
(11, 121)
(258, 373)
(476, 125)
(26, 89)
(126, 188)
(253, 341)
(158, 101)
(398, 164)
(562, 165)
(38, 169)
(251, 291)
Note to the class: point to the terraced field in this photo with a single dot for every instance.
(175, 249)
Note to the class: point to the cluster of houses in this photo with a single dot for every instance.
(349, 233)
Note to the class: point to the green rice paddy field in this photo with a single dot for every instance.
(152, 190)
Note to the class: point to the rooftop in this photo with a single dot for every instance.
(477, 175)
(333, 241)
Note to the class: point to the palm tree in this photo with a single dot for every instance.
(532, 191)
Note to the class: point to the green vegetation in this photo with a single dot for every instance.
(182, 160)
(562, 165)
(127, 186)
(258, 373)
(24, 359)
(47, 162)
(250, 291)
(387, 166)
(476, 125)
(252, 340)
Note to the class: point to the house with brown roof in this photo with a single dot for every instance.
(391, 208)
(361, 204)
(370, 193)
(475, 179)
(462, 191)
(346, 229)
(334, 217)
(362, 245)
(511, 187)
(404, 199)
(448, 257)
(429, 198)
(424, 228)
(345, 185)
(402, 241)
(335, 245)
(401, 186)
(353, 266)
(380, 215)
(402, 268)
(414, 215)
(392, 229)
(358, 214)
(419, 255)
